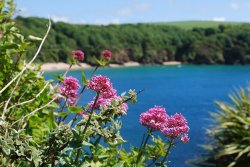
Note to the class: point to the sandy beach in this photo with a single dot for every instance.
(62, 66)
(65, 66)
(169, 63)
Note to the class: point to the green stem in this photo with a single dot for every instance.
(64, 118)
(18, 59)
(73, 121)
(81, 93)
(91, 113)
(142, 140)
(94, 71)
(97, 141)
(86, 126)
(64, 104)
(154, 160)
(66, 72)
(143, 147)
(78, 155)
(84, 87)
(166, 155)
(92, 110)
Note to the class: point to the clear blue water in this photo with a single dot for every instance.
(190, 90)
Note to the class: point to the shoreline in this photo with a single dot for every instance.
(65, 66)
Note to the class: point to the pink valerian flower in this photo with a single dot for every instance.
(123, 108)
(78, 55)
(109, 94)
(107, 54)
(102, 85)
(175, 126)
(103, 102)
(154, 118)
(69, 88)
(185, 138)
(84, 114)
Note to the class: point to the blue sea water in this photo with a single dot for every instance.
(190, 90)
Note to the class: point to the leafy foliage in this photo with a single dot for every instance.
(144, 43)
(231, 134)
(19, 139)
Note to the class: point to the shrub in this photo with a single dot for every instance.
(230, 135)
(23, 91)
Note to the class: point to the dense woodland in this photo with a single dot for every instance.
(144, 43)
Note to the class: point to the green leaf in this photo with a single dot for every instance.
(228, 151)
(102, 63)
(6, 151)
(84, 80)
(120, 164)
(63, 114)
(34, 38)
(9, 45)
(123, 93)
(75, 109)
(84, 143)
(51, 120)
(73, 61)
(58, 77)
(1, 4)
(246, 150)
(103, 156)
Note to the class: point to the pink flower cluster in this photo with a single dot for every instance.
(69, 88)
(103, 102)
(107, 93)
(84, 114)
(185, 138)
(107, 54)
(78, 55)
(174, 126)
(102, 85)
(154, 118)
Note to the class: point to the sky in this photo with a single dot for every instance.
(135, 11)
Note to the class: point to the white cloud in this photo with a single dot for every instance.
(138, 8)
(125, 11)
(238, 5)
(204, 10)
(235, 5)
(107, 22)
(60, 18)
(219, 19)
(142, 7)
(101, 22)
(115, 21)
(82, 21)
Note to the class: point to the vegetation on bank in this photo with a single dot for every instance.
(189, 25)
(143, 43)
(230, 136)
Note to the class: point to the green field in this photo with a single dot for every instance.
(198, 24)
